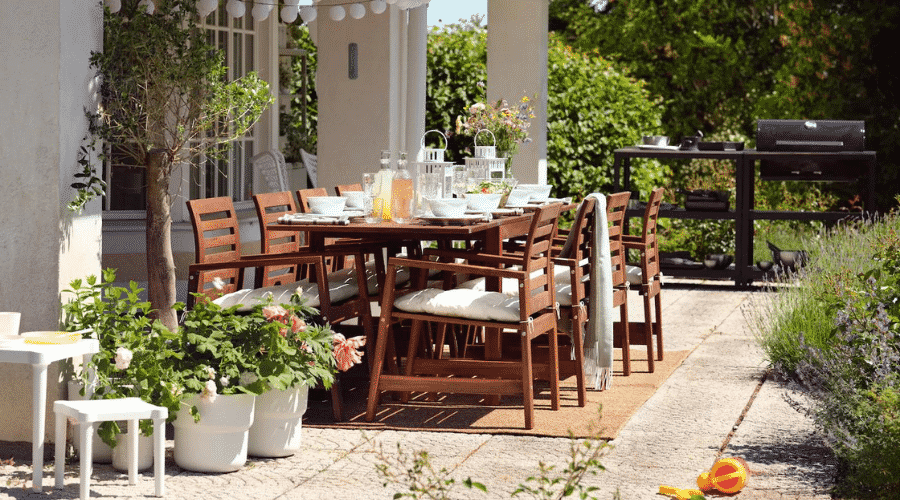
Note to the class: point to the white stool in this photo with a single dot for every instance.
(88, 413)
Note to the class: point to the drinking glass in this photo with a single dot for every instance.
(460, 180)
(368, 183)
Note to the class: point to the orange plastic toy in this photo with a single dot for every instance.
(728, 475)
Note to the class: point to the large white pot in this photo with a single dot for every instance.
(277, 426)
(102, 452)
(218, 442)
(120, 452)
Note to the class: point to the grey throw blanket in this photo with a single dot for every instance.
(598, 336)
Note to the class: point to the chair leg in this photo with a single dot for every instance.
(159, 455)
(527, 382)
(87, 453)
(554, 370)
(648, 333)
(132, 451)
(415, 335)
(578, 316)
(59, 458)
(657, 325)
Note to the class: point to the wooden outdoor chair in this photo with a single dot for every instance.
(269, 207)
(340, 299)
(303, 196)
(573, 260)
(650, 282)
(532, 313)
(343, 188)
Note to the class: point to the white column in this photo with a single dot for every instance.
(394, 88)
(517, 45)
(417, 45)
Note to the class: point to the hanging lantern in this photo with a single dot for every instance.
(236, 8)
(261, 11)
(356, 11)
(378, 6)
(114, 5)
(148, 6)
(337, 13)
(289, 13)
(206, 7)
(308, 14)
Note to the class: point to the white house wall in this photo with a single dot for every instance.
(45, 86)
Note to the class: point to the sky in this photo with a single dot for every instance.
(450, 11)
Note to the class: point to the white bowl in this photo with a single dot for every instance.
(448, 207)
(483, 202)
(327, 205)
(539, 192)
(518, 197)
(354, 199)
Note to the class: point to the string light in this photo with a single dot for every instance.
(291, 10)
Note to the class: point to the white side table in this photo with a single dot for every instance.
(40, 356)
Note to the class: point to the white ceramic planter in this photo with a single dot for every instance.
(278, 422)
(218, 442)
(102, 452)
(120, 452)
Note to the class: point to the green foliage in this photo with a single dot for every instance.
(292, 126)
(418, 477)
(216, 351)
(163, 85)
(594, 109)
(134, 351)
(838, 333)
(720, 66)
(456, 63)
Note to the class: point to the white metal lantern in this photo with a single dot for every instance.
(434, 164)
(485, 164)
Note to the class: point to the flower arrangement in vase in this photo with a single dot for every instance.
(508, 123)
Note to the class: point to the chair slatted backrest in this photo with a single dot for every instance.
(650, 255)
(343, 188)
(303, 196)
(269, 207)
(578, 247)
(539, 292)
(616, 204)
(217, 238)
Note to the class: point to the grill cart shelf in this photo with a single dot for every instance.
(744, 272)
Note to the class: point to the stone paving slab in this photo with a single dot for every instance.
(679, 432)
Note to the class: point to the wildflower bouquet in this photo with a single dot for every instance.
(509, 124)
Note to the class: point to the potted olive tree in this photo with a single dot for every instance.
(165, 100)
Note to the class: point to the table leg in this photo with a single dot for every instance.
(39, 414)
(493, 346)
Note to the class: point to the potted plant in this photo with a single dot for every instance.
(130, 363)
(508, 124)
(226, 358)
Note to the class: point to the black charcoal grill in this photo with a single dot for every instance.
(810, 136)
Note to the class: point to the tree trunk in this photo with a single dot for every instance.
(160, 262)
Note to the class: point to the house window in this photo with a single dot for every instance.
(229, 175)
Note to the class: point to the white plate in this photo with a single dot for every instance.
(654, 146)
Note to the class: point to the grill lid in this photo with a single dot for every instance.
(810, 135)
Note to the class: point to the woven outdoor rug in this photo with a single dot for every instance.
(466, 413)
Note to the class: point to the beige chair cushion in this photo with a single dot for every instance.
(461, 303)
(339, 290)
(510, 286)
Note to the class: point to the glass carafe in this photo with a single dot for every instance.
(402, 195)
(382, 190)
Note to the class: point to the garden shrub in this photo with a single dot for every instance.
(837, 333)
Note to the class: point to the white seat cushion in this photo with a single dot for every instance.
(510, 286)
(634, 275)
(462, 303)
(339, 290)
